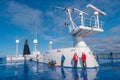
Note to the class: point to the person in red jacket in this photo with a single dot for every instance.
(75, 59)
(84, 59)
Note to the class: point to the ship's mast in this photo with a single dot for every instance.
(17, 42)
(35, 41)
(82, 30)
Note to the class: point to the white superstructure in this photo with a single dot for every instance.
(77, 32)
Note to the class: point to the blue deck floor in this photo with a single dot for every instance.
(109, 70)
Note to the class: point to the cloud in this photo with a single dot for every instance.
(50, 13)
(106, 42)
(115, 30)
(27, 17)
(23, 15)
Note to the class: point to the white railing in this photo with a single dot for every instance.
(88, 22)
(91, 23)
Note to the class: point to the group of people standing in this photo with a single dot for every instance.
(75, 59)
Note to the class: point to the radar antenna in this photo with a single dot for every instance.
(81, 13)
(96, 14)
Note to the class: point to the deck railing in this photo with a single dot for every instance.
(108, 55)
(91, 23)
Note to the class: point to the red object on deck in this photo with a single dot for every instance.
(83, 57)
(75, 57)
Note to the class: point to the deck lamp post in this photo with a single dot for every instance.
(35, 42)
(50, 45)
(17, 42)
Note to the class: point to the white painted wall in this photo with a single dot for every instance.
(68, 53)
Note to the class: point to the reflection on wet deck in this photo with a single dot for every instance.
(33, 71)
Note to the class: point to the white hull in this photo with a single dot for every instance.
(68, 53)
(28, 57)
(14, 58)
(56, 56)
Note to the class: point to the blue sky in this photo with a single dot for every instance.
(18, 19)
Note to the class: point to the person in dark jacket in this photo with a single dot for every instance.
(62, 59)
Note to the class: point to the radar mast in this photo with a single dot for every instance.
(82, 30)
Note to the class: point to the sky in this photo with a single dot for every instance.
(22, 19)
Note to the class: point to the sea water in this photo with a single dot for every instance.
(30, 70)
